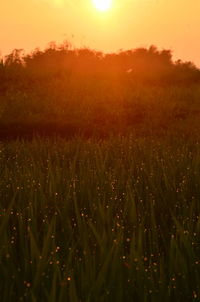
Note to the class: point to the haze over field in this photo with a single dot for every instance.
(127, 24)
(99, 150)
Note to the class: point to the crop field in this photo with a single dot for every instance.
(100, 220)
(99, 177)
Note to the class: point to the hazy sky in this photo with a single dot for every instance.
(171, 24)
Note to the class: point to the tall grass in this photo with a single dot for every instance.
(115, 220)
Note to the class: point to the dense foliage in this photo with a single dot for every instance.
(79, 91)
(143, 65)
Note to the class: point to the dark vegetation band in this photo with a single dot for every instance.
(70, 92)
(148, 65)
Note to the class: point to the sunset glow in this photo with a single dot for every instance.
(105, 25)
(102, 5)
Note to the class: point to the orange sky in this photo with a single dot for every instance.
(171, 24)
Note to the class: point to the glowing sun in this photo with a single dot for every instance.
(102, 5)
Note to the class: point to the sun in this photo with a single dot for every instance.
(102, 5)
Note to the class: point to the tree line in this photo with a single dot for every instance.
(146, 65)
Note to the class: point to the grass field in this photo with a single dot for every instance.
(110, 220)
(99, 177)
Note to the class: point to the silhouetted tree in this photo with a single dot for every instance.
(144, 64)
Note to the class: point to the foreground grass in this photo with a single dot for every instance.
(100, 221)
